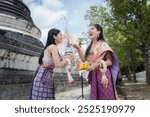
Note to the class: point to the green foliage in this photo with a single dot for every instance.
(97, 14)
(126, 26)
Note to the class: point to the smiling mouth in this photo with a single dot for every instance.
(90, 34)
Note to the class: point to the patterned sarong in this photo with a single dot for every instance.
(97, 90)
(42, 85)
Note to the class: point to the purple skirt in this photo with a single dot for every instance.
(42, 85)
(97, 90)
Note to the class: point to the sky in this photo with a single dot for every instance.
(61, 14)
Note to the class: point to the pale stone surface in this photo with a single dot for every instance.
(17, 61)
(10, 23)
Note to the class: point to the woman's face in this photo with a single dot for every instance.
(93, 32)
(58, 38)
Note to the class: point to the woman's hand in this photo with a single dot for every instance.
(104, 81)
(80, 51)
(92, 67)
(76, 46)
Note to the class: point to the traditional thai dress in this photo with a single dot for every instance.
(43, 85)
(97, 90)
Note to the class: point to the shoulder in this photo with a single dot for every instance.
(101, 44)
(52, 47)
(104, 44)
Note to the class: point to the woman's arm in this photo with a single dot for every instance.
(80, 52)
(97, 64)
(108, 59)
(56, 58)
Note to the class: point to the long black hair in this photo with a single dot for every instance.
(100, 37)
(50, 40)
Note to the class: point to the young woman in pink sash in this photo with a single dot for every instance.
(104, 66)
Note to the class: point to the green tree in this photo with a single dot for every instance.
(122, 33)
(131, 18)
